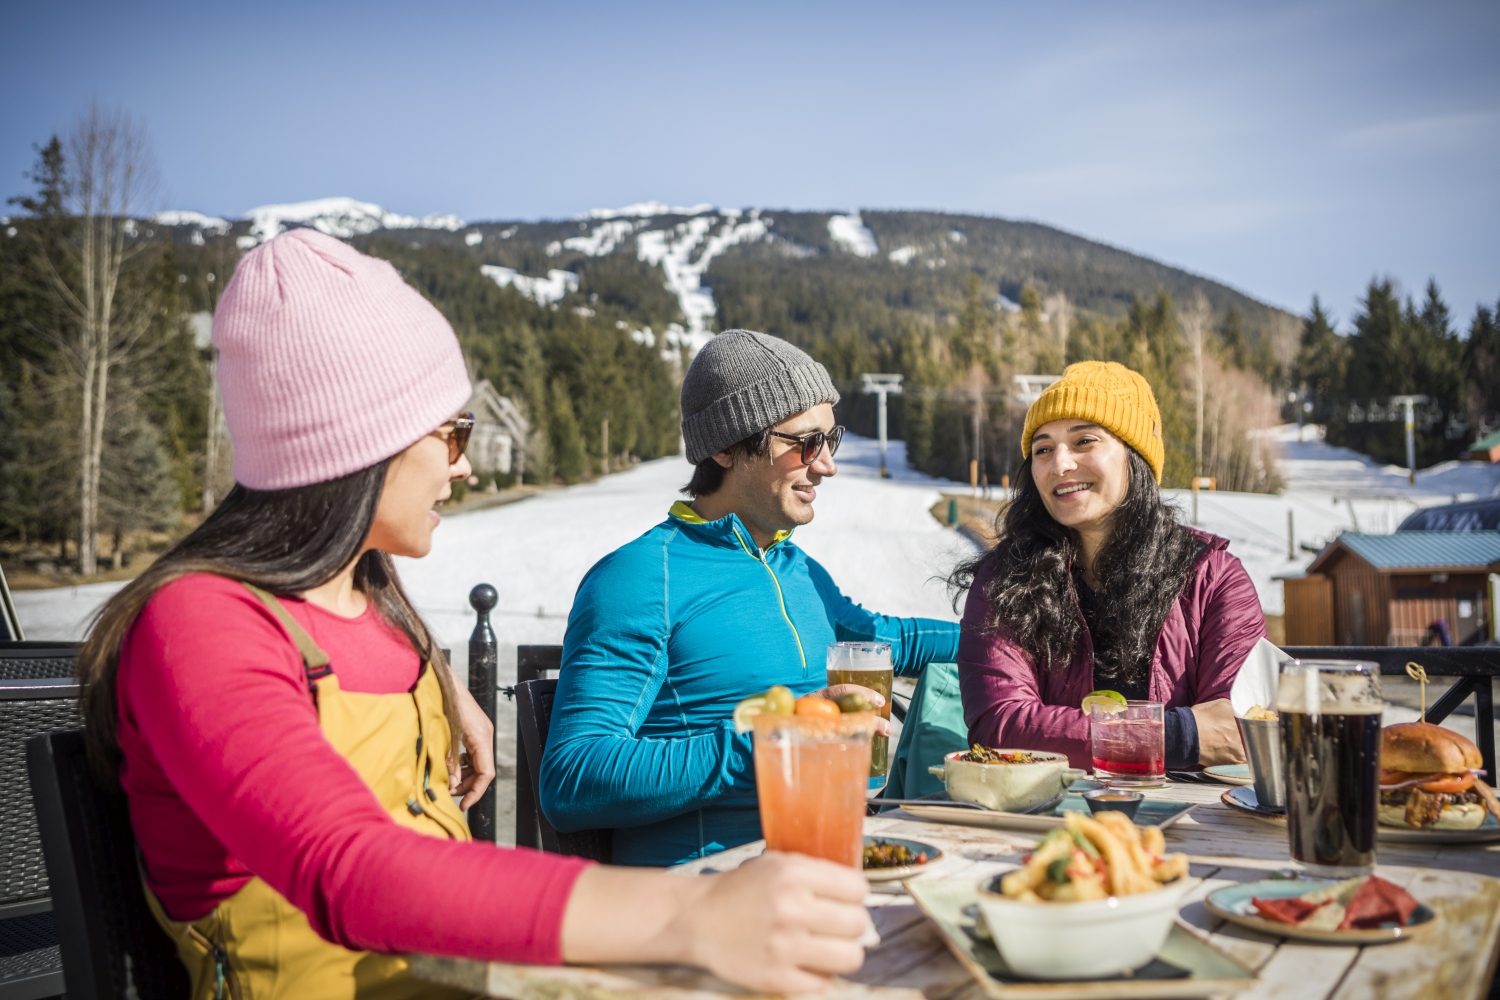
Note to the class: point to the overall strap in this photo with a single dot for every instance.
(314, 660)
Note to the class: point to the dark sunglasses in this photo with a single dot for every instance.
(458, 438)
(812, 444)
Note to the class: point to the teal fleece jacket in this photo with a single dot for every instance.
(667, 634)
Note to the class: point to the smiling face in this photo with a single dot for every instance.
(1082, 471)
(775, 492)
(416, 481)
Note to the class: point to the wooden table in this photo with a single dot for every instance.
(1461, 883)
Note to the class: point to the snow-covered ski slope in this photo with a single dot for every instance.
(875, 536)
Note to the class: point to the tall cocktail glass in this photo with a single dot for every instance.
(1330, 739)
(1129, 744)
(811, 775)
(867, 664)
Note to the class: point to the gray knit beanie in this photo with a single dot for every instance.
(742, 382)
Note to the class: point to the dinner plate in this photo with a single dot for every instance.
(1153, 812)
(904, 871)
(1243, 800)
(1233, 904)
(1231, 774)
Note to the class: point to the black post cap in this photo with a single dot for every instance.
(483, 598)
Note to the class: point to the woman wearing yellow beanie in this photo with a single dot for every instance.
(1095, 585)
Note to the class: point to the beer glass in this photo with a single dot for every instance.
(1330, 740)
(867, 664)
(1129, 744)
(810, 777)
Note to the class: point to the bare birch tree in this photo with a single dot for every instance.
(110, 176)
(1195, 321)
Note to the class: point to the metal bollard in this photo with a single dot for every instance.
(482, 666)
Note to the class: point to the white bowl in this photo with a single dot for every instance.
(1007, 787)
(1082, 940)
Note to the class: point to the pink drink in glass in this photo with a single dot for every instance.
(1129, 744)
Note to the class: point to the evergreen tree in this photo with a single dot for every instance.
(570, 458)
(1322, 361)
(1482, 369)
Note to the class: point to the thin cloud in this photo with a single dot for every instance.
(1432, 128)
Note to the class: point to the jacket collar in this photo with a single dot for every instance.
(728, 531)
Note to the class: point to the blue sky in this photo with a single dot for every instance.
(1286, 149)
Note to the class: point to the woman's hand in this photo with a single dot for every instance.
(781, 923)
(837, 691)
(1218, 734)
(477, 769)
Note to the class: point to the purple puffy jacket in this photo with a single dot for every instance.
(1010, 703)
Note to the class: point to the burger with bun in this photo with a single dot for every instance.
(1429, 779)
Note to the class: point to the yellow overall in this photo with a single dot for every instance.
(257, 946)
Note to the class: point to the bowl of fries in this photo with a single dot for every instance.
(1096, 898)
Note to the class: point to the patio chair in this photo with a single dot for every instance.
(533, 716)
(37, 660)
(30, 964)
(112, 947)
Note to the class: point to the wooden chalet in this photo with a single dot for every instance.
(1388, 590)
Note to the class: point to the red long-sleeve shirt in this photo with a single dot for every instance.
(228, 774)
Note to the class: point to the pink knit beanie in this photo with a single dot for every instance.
(328, 362)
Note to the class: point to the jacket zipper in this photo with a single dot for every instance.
(780, 597)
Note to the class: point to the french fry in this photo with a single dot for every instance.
(1124, 880)
(1154, 840)
(1170, 869)
(1034, 874)
(1130, 835)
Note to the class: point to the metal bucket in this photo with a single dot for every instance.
(1262, 739)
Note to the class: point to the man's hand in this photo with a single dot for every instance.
(477, 767)
(1218, 735)
(837, 691)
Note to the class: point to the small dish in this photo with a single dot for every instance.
(1113, 800)
(1233, 904)
(1231, 774)
(1242, 799)
(1081, 940)
(900, 872)
(1007, 787)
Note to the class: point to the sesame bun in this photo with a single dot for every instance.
(1422, 748)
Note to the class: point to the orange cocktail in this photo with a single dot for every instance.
(811, 774)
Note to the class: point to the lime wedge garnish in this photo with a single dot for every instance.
(747, 710)
(1105, 701)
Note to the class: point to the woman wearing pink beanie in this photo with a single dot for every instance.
(286, 733)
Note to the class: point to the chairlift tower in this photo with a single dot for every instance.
(1408, 403)
(881, 386)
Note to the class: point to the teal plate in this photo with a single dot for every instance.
(1184, 967)
(897, 873)
(1153, 812)
(1231, 774)
(1233, 904)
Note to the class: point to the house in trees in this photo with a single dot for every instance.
(1390, 590)
(498, 443)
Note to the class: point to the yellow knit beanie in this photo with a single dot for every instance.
(1108, 394)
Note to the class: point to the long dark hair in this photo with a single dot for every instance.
(1141, 571)
(283, 541)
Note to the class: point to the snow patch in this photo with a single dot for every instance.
(1006, 305)
(851, 233)
(542, 291)
(644, 209)
(473, 239)
(684, 253)
(902, 255)
(602, 240)
(212, 223)
(340, 217)
(957, 237)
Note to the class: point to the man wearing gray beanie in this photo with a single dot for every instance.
(714, 605)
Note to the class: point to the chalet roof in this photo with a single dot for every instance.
(1437, 551)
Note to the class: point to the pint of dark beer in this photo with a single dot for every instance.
(1330, 735)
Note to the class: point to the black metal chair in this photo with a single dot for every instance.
(533, 716)
(30, 962)
(112, 947)
(37, 660)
